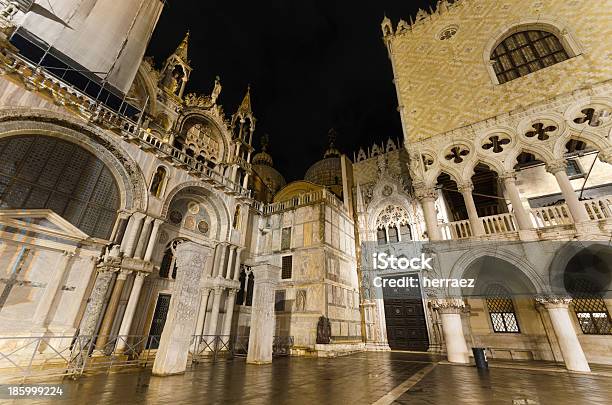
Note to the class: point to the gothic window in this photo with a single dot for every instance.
(393, 235)
(525, 52)
(501, 310)
(39, 172)
(405, 233)
(287, 267)
(381, 236)
(236, 223)
(157, 184)
(168, 264)
(392, 222)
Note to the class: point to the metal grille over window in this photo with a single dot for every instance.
(590, 309)
(501, 310)
(43, 172)
(287, 267)
(525, 52)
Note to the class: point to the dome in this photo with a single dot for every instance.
(270, 176)
(263, 158)
(325, 172)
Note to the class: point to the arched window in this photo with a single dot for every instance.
(393, 235)
(393, 225)
(157, 184)
(525, 52)
(41, 172)
(501, 310)
(381, 236)
(405, 233)
(236, 223)
(168, 268)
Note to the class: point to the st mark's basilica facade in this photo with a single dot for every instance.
(136, 218)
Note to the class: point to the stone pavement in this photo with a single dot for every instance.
(398, 378)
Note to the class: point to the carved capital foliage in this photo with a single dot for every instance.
(554, 301)
(466, 187)
(559, 165)
(421, 192)
(448, 305)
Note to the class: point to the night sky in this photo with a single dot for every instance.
(312, 65)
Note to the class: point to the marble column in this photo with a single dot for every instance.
(130, 310)
(219, 260)
(199, 330)
(237, 264)
(95, 305)
(176, 338)
(214, 314)
(559, 169)
(230, 262)
(133, 233)
(572, 352)
(520, 214)
(261, 337)
(143, 240)
(51, 291)
(452, 329)
(111, 309)
(152, 240)
(229, 313)
(128, 230)
(427, 197)
(475, 222)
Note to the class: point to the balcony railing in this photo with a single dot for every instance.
(37, 78)
(301, 200)
(541, 218)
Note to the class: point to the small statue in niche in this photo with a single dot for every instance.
(216, 91)
(323, 331)
(300, 300)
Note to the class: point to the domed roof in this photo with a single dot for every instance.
(263, 158)
(328, 171)
(270, 176)
(325, 172)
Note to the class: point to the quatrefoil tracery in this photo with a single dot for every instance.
(541, 131)
(592, 117)
(496, 143)
(457, 153)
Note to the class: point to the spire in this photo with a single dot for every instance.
(182, 49)
(245, 106)
(331, 149)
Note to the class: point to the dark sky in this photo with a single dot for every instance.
(312, 65)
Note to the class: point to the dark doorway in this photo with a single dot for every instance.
(405, 318)
(159, 320)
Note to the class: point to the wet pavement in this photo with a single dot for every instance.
(359, 379)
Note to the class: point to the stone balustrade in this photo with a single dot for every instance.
(544, 217)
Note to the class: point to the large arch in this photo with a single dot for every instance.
(124, 170)
(197, 114)
(462, 267)
(570, 250)
(220, 217)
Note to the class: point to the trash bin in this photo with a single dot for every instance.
(480, 358)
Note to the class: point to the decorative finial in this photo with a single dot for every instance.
(265, 140)
(331, 151)
(182, 49)
(245, 106)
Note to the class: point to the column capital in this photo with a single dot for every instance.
(448, 305)
(556, 166)
(426, 193)
(123, 274)
(507, 176)
(554, 301)
(149, 219)
(465, 187)
(158, 221)
(606, 155)
(232, 292)
(142, 274)
(123, 214)
(139, 215)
